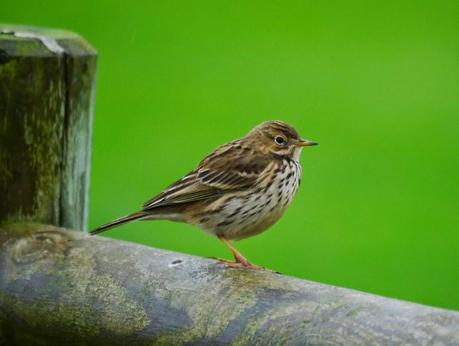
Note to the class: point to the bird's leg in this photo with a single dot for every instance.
(240, 261)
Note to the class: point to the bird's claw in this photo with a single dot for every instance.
(237, 264)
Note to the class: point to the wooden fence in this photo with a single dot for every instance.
(59, 286)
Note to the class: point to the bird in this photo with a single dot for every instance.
(237, 191)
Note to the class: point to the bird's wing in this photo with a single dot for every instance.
(187, 189)
(230, 167)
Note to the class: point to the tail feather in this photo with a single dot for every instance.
(122, 220)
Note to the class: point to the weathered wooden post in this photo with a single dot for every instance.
(47, 80)
(60, 287)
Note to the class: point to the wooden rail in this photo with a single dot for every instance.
(59, 286)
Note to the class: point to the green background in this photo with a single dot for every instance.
(376, 83)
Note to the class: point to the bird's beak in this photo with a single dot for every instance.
(305, 143)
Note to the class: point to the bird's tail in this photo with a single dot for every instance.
(122, 220)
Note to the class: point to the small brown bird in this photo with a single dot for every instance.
(237, 191)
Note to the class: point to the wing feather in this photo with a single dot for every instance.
(229, 168)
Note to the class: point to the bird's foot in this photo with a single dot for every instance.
(237, 264)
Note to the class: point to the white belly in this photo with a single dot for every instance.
(255, 211)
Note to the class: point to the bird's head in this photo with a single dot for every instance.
(278, 138)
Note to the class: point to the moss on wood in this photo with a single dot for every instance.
(45, 125)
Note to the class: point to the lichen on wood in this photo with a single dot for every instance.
(45, 125)
(92, 290)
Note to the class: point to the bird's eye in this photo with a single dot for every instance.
(279, 140)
